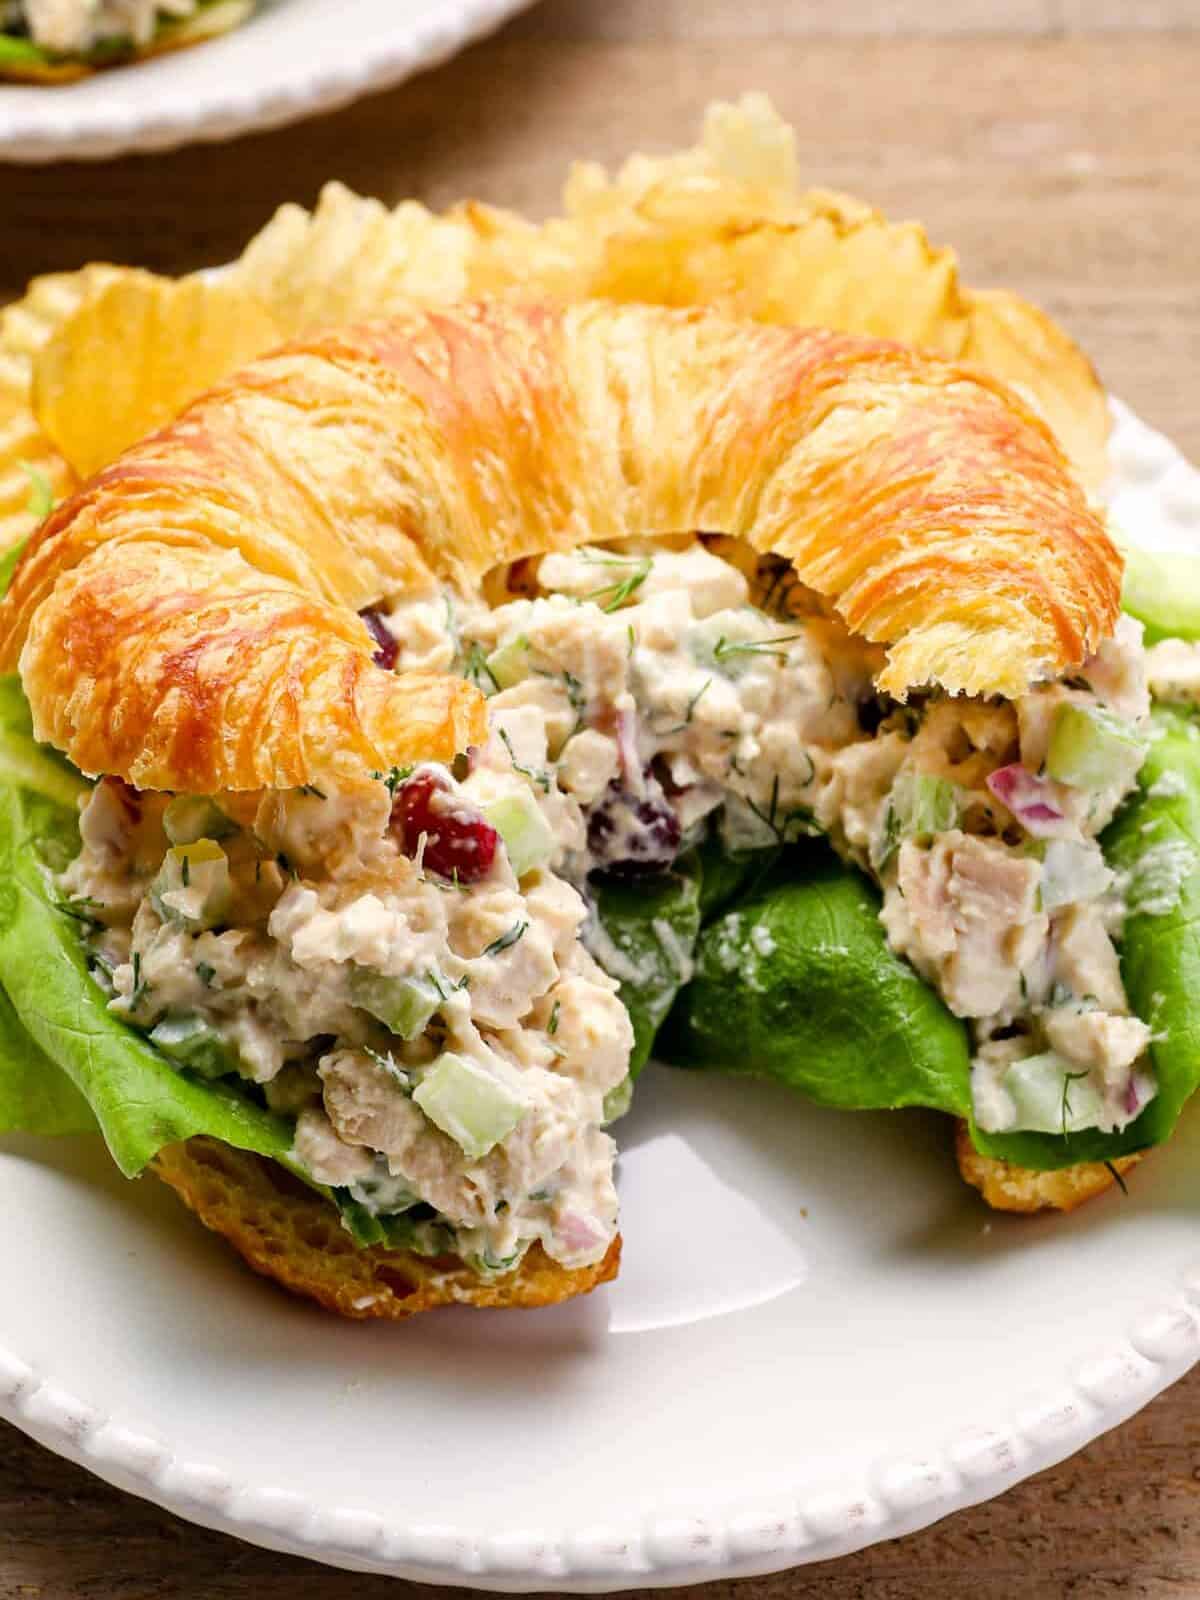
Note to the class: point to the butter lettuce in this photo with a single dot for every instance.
(644, 936)
(35, 1097)
(795, 981)
(137, 1099)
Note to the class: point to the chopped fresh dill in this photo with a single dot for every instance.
(794, 823)
(285, 866)
(891, 837)
(506, 940)
(1117, 1178)
(442, 986)
(396, 1073)
(552, 1025)
(615, 594)
(205, 973)
(82, 907)
(1068, 1080)
(689, 712)
(392, 780)
(140, 989)
(542, 779)
(185, 872)
(41, 496)
(475, 669)
(576, 695)
(765, 647)
(312, 790)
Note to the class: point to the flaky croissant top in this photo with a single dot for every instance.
(187, 620)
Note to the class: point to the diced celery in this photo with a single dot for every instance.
(190, 817)
(194, 1044)
(471, 1105)
(509, 663)
(192, 888)
(1072, 872)
(1089, 746)
(618, 1100)
(1051, 1096)
(1162, 590)
(528, 837)
(924, 805)
(403, 1005)
(919, 806)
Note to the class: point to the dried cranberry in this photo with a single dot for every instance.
(459, 842)
(630, 834)
(389, 648)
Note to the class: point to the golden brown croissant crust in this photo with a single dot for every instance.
(284, 1231)
(1009, 1188)
(186, 620)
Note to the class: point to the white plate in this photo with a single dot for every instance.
(293, 58)
(819, 1338)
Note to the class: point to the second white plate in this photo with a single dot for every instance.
(293, 58)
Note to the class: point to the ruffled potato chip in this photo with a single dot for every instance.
(31, 469)
(724, 223)
(146, 345)
(352, 258)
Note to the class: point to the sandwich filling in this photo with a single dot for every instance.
(419, 978)
(75, 27)
(674, 689)
(401, 975)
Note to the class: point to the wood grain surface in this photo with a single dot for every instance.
(1056, 143)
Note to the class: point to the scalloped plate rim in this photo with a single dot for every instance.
(1137, 1363)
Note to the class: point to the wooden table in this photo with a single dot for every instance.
(1057, 144)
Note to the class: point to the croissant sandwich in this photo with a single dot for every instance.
(59, 41)
(405, 675)
(443, 711)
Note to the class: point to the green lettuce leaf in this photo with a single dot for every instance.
(18, 52)
(796, 982)
(648, 931)
(139, 1100)
(35, 1097)
(1156, 841)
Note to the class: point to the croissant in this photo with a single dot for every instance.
(186, 620)
(289, 1235)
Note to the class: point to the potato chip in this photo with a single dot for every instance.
(1013, 338)
(30, 466)
(352, 258)
(724, 223)
(134, 354)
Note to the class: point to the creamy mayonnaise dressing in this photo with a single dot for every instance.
(72, 27)
(311, 948)
(416, 976)
(658, 686)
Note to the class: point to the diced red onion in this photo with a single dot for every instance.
(1031, 799)
(1133, 1097)
(579, 1232)
(627, 750)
